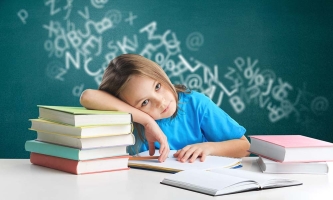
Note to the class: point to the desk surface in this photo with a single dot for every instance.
(19, 179)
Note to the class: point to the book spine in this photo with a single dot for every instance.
(52, 162)
(52, 149)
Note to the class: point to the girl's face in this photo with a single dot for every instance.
(149, 96)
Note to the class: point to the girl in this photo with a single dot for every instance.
(186, 120)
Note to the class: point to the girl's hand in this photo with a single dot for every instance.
(192, 152)
(153, 133)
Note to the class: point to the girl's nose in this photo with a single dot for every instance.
(160, 101)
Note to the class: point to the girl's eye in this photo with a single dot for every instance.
(145, 102)
(158, 86)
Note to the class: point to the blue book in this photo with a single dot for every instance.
(73, 153)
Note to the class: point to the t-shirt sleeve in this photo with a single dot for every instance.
(217, 125)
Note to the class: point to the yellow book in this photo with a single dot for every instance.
(81, 131)
(87, 142)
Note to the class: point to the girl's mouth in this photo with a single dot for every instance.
(166, 109)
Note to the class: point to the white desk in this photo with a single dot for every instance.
(21, 180)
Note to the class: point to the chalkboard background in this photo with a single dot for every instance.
(268, 64)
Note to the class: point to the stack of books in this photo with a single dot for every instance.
(292, 154)
(81, 141)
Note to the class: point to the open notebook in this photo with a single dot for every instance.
(225, 181)
(171, 165)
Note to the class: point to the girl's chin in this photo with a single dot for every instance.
(170, 111)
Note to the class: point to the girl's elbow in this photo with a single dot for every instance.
(86, 97)
(246, 154)
(246, 148)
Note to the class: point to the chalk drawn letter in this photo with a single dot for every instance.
(240, 63)
(104, 25)
(237, 104)
(23, 15)
(76, 62)
(52, 5)
(77, 90)
(92, 40)
(147, 51)
(74, 39)
(150, 29)
(280, 92)
(88, 71)
(85, 15)
(127, 44)
(85, 35)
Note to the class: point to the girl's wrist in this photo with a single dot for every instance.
(144, 119)
(211, 148)
(148, 121)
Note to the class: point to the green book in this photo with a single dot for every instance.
(80, 116)
(73, 153)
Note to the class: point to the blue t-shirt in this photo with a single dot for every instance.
(198, 120)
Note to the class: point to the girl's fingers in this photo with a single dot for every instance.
(181, 153)
(203, 157)
(176, 154)
(195, 155)
(151, 147)
(187, 154)
(164, 152)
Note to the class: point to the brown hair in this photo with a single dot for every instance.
(120, 70)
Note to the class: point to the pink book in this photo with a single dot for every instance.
(80, 167)
(291, 148)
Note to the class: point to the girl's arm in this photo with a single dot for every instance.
(230, 148)
(100, 100)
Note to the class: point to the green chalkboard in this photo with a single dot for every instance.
(266, 63)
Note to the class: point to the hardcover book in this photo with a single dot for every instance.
(80, 116)
(291, 148)
(270, 166)
(73, 153)
(80, 167)
(82, 131)
(86, 143)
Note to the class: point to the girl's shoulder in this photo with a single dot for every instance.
(194, 97)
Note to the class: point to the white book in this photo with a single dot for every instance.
(80, 132)
(225, 181)
(86, 143)
(270, 166)
(171, 164)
